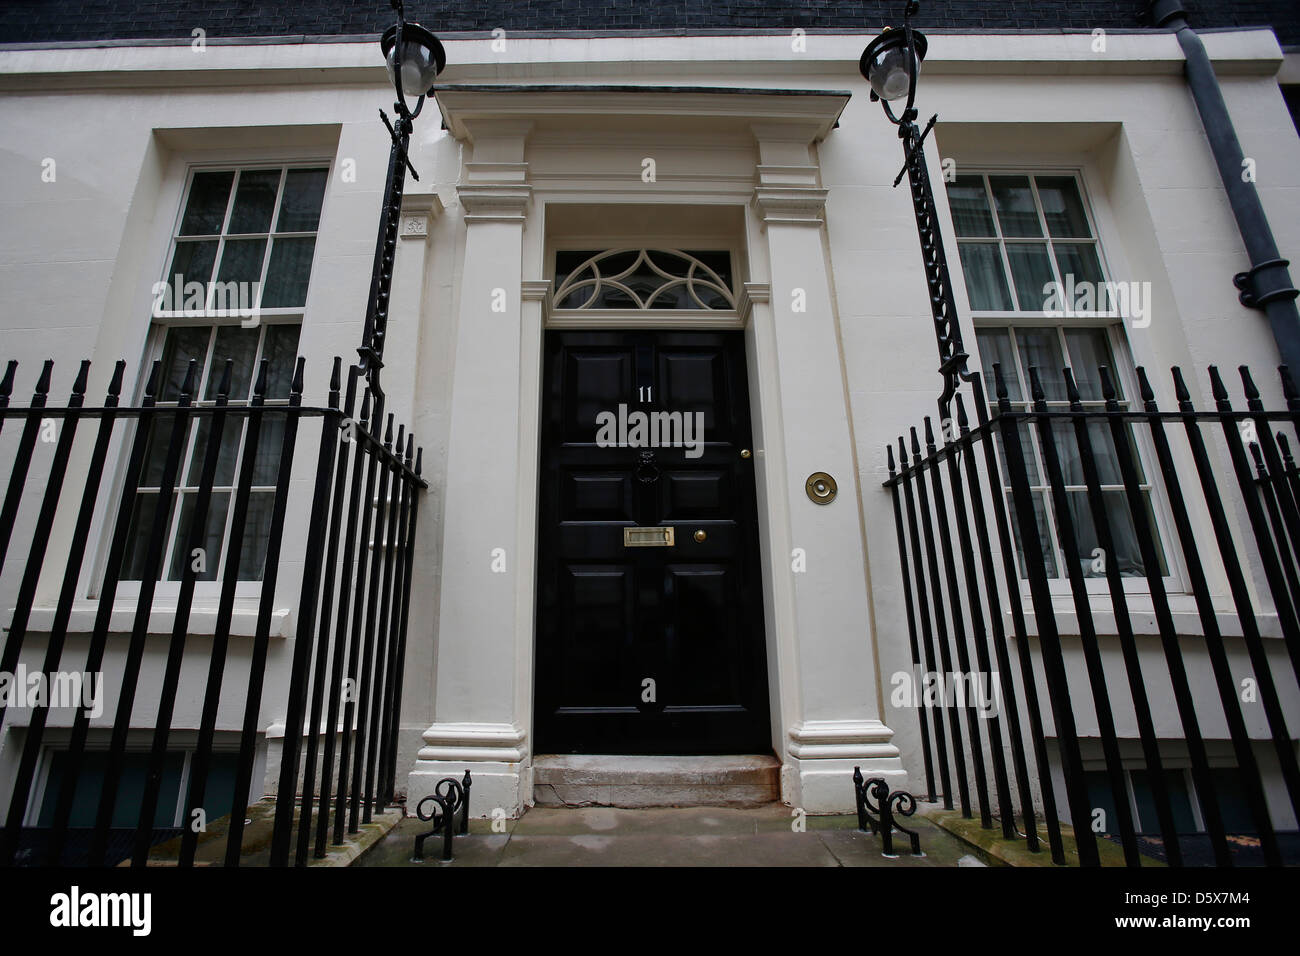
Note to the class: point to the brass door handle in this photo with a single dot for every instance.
(700, 535)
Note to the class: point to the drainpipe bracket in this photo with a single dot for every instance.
(1265, 282)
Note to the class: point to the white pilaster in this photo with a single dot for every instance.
(832, 712)
(480, 679)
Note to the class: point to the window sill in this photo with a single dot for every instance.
(1182, 607)
(202, 622)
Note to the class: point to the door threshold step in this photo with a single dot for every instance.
(605, 780)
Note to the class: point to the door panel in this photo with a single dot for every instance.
(689, 616)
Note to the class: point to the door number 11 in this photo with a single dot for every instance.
(645, 394)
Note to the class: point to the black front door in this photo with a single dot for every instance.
(645, 647)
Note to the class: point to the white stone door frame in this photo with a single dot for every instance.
(820, 641)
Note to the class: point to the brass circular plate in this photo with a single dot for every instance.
(700, 535)
(744, 453)
(821, 488)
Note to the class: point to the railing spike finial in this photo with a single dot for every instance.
(1108, 390)
(929, 435)
(7, 383)
(916, 444)
(1036, 386)
(1072, 391)
(1217, 388)
(154, 381)
(43, 383)
(365, 410)
(227, 375)
(1286, 449)
(295, 390)
(889, 460)
(419, 461)
(388, 432)
(115, 383)
(79, 386)
(1000, 383)
(1258, 455)
(963, 422)
(1288, 387)
(263, 373)
(336, 376)
(1181, 391)
(1144, 388)
(191, 380)
(1248, 383)
(410, 448)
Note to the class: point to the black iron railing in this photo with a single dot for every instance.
(103, 788)
(1143, 513)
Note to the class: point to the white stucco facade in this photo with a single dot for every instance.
(760, 147)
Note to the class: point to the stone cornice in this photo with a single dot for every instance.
(495, 192)
(790, 205)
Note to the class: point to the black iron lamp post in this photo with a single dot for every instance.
(891, 63)
(415, 59)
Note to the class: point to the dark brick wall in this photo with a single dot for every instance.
(46, 20)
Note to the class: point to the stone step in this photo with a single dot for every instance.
(601, 780)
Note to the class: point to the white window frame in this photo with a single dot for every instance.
(1173, 580)
(207, 593)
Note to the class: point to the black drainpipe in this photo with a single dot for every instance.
(1267, 285)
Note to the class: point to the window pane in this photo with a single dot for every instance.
(1229, 787)
(1067, 453)
(1180, 803)
(1041, 349)
(995, 347)
(241, 261)
(986, 286)
(1104, 456)
(1015, 205)
(287, 275)
(304, 190)
(1102, 797)
(182, 346)
(1063, 207)
(254, 201)
(155, 455)
(240, 346)
(206, 209)
(1123, 530)
(267, 462)
(1089, 350)
(1079, 259)
(1045, 539)
(230, 432)
(1032, 271)
(133, 770)
(257, 533)
(214, 529)
(135, 562)
(192, 261)
(1027, 453)
(970, 207)
(280, 351)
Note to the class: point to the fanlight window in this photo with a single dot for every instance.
(644, 279)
